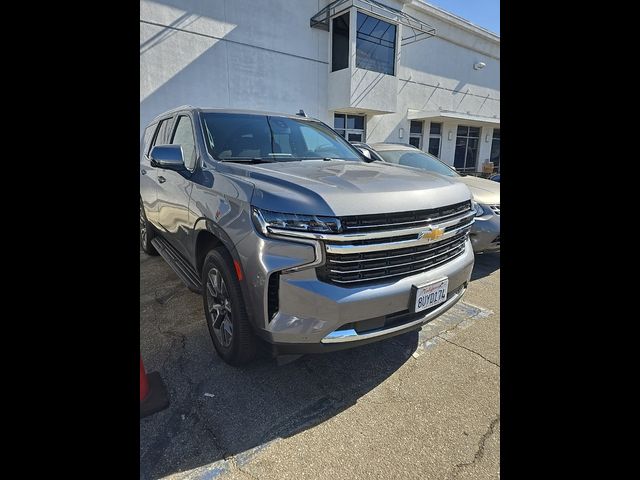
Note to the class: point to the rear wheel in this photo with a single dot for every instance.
(227, 319)
(146, 234)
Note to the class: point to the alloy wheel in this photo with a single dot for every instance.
(143, 227)
(219, 306)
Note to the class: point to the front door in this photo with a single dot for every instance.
(174, 187)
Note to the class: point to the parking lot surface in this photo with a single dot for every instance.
(421, 405)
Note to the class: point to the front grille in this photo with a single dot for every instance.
(495, 209)
(393, 221)
(368, 267)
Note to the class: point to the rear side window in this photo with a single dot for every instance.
(146, 139)
(183, 136)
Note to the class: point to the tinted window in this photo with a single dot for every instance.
(375, 44)
(243, 136)
(161, 134)
(355, 122)
(435, 128)
(434, 146)
(340, 43)
(417, 160)
(183, 136)
(148, 135)
(416, 127)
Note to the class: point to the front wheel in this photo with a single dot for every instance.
(146, 234)
(227, 318)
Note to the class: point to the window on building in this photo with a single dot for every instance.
(350, 127)
(340, 43)
(466, 154)
(415, 133)
(435, 139)
(183, 136)
(495, 150)
(375, 44)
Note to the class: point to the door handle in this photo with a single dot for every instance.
(161, 179)
(143, 171)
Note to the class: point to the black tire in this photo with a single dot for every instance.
(146, 233)
(238, 346)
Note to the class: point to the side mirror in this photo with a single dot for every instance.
(365, 152)
(169, 157)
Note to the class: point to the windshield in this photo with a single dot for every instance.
(240, 136)
(416, 159)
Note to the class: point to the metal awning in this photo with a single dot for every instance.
(416, 29)
(449, 115)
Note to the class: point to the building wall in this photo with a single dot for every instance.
(263, 55)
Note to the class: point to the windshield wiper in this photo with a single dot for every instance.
(248, 160)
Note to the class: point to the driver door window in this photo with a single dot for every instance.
(183, 136)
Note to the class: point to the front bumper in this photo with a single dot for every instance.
(485, 233)
(310, 311)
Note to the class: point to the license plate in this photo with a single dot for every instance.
(430, 295)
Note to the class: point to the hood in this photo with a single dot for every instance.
(483, 190)
(339, 188)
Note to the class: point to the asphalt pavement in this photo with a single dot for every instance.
(422, 405)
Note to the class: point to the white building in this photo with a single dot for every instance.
(384, 70)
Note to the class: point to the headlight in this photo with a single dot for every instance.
(479, 210)
(264, 220)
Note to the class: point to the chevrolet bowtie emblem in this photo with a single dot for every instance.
(431, 234)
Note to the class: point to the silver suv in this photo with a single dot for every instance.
(293, 237)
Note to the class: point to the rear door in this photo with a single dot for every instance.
(154, 134)
(174, 188)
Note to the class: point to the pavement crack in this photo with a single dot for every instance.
(480, 451)
(469, 350)
(234, 462)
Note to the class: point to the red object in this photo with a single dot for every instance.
(238, 269)
(144, 382)
(153, 393)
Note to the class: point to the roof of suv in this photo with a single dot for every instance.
(228, 110)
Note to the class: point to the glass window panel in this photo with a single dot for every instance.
(436, 128)
(183, 136)
(355, 121)
(375, 44)
(355, 137)
(434, 146)
(416, 127)
(415, 141)
(462, 130)
(340, 43)
(495, 152)
(474, 131)
(472, 153)
(496, 133)
(458, 159)
(338, 121)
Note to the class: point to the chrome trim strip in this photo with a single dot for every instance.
(398, 265)
(435, 247)
(425, 222)
(350, 237)
(341, 336)
(376, 247)
(406, 274)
